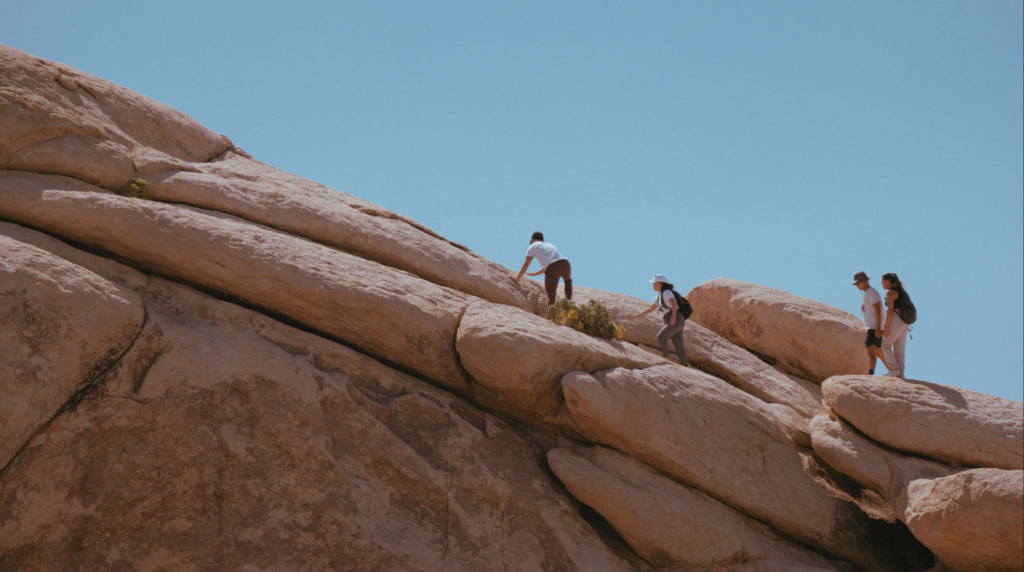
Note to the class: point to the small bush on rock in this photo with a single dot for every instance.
(590, 318)
(137, 189)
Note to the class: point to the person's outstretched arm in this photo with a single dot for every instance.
(523, 269)
(645, 312)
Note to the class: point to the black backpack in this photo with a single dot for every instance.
(905, 308)
(683, 304)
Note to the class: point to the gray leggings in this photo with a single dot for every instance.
(675, 333)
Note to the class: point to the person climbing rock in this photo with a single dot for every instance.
(871, 309)
(672, 316)
(553, 266)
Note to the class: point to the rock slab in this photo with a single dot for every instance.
(932, 420)
(807, 338)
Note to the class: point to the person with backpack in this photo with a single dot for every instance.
(552, 265)
(675, 310)
(899, 315)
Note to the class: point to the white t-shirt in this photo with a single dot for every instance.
(867, 308)
(664, 306)
(544, 252)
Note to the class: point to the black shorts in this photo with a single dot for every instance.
(872, 340)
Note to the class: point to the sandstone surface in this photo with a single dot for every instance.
(61, 326)
(807, 338)
(670, 524)
(227, 441)
(266, 196)
(55, 119)
(520, 358)
(383, 311)
(973, 521)
(932, 420)
(730, 445)
(709, 352)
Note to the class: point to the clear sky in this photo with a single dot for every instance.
(789, 144)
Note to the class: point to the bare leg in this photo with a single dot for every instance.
(872, 358)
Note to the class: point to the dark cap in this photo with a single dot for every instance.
(860, 277)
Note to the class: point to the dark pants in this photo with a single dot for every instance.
(674, 333)
(555, 270)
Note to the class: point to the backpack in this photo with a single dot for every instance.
(905, 308)
(683, 304)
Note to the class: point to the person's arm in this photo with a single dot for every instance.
(645, 312)
(675, 309)
(538, 273)
(890, 299)
(523, 269)
(878, 311)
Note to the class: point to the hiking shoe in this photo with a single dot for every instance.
(894, 374)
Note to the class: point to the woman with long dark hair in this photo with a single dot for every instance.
(672, 315)
(894, 330)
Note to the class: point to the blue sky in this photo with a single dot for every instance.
(789, 144)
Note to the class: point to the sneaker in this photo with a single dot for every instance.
(895, 373)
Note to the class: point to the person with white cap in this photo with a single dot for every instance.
(672, 315)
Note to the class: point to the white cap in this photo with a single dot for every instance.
(658, 278)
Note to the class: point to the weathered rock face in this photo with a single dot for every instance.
(812, 340)
(227, 441)
(381, 310)
(55, 119)
(707, 434)
(973, 521)
(520, 358)
(671, 524)
(261, 194)
(60, 327)
(938, 421)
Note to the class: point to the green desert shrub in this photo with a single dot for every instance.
(136, 189)
(590, 318)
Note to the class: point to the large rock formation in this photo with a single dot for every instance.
(255, 372)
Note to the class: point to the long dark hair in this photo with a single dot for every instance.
(896, 284)
(664, 286)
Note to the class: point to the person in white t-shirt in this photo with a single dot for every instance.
(871, 309)
(672, 316)
(552, 265)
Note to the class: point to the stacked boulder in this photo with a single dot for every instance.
(252, 371)
(948, 460)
